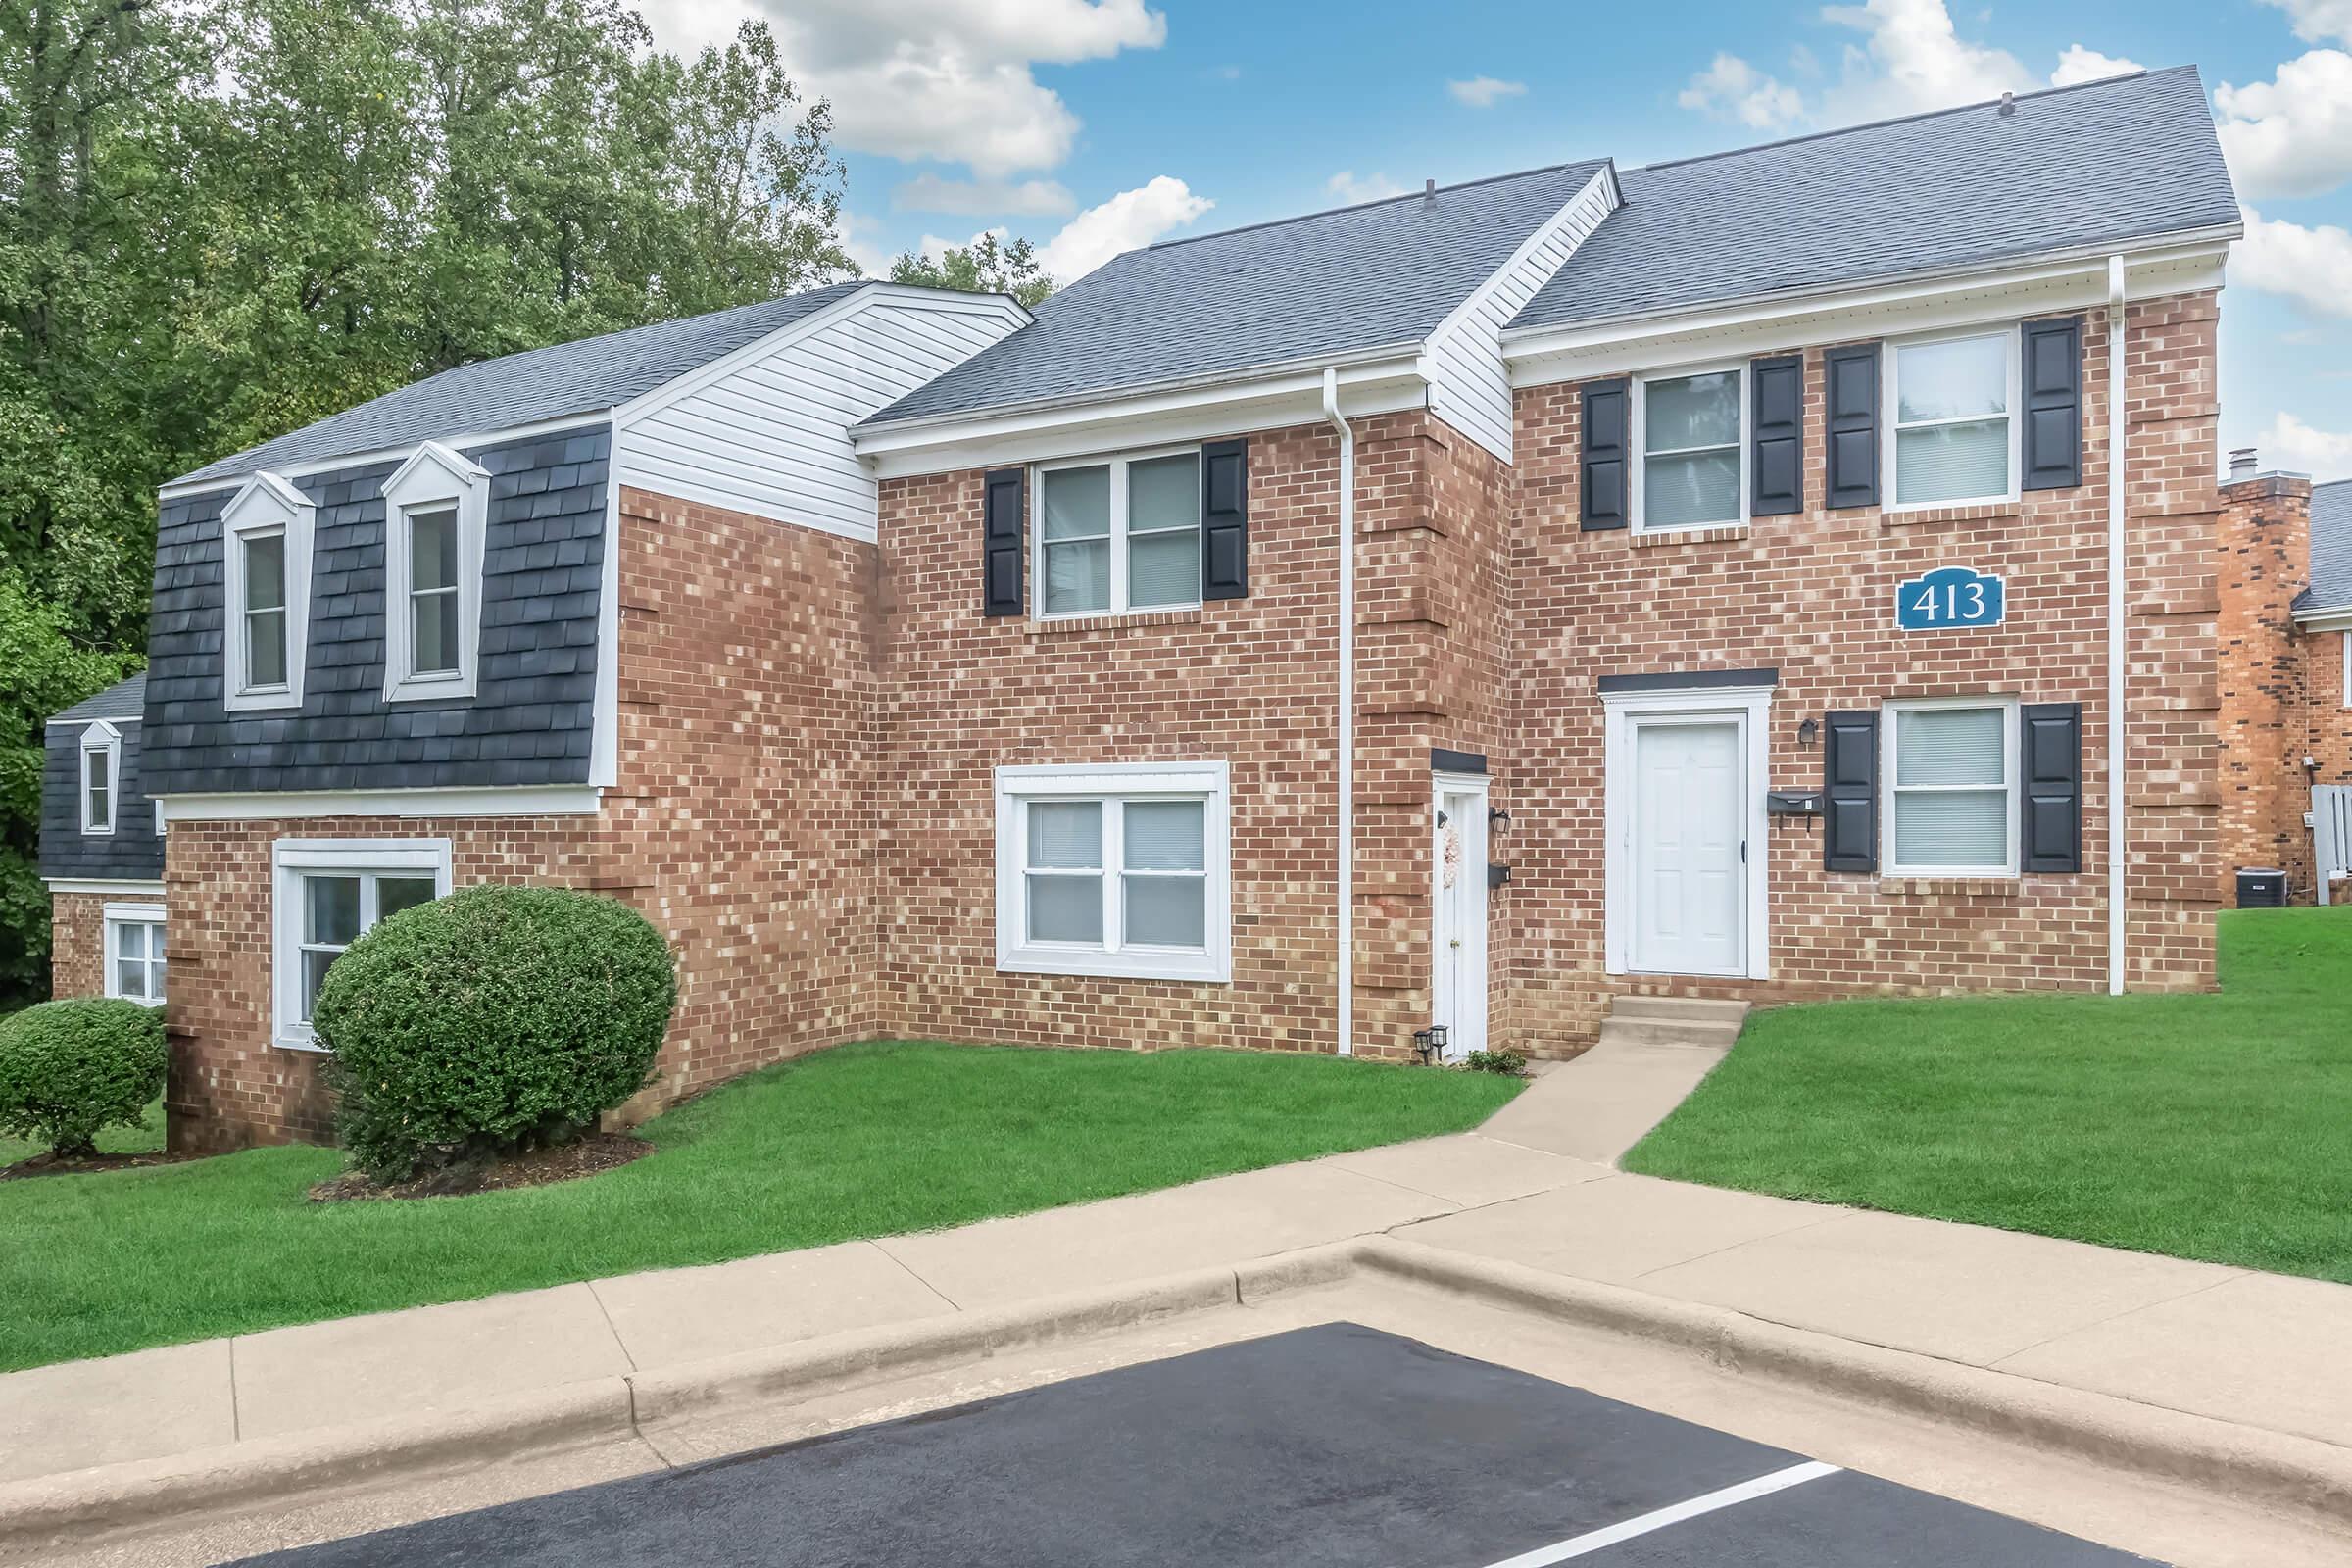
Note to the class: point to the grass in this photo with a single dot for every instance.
(2215, 1126)
(144, 1139)
(873, 1140)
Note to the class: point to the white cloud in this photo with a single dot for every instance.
(2315, 20)
(1731, 88)
(858, 237)
(1485, 92)
(931, 247)
(982, 198)
(2079, 64)
(2312, 266)
(2293, 445)
(1128, 220)
(933, 78)
(2291, 136)
(1913, 59)
(1349, 187)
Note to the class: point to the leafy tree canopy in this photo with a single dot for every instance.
(980, 267)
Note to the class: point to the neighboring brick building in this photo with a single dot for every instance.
(2286, 597)
(1727, 552)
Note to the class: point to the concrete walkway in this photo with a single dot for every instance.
(2252, 1348)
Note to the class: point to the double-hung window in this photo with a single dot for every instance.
(266, 539)
(1952, 782)
(1113, 870)
(435, 512)
(1119, 534)
(101, 777)
(1693, 473)
(1949, 402)
(328, 893)
(134, 952)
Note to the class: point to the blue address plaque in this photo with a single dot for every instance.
(1950, 597)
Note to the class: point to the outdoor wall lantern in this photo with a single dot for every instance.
(1808, 732)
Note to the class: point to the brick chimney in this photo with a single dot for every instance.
(2265, 561)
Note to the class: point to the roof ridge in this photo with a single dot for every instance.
(1904, 119)
(1382, 200)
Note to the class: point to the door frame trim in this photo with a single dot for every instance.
(1750, 707)
(1443, 782)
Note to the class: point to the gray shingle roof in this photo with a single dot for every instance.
(2081, 165)
(2330, 548)
(517, 389)
(124, 699)
(1362, 277)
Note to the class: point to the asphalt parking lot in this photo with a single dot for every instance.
(1336, 1445)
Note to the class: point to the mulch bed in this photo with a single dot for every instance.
(541, 1167)
(52, 1166)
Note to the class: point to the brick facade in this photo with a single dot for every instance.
(77, 945)
(808, 729)
(2284, 726)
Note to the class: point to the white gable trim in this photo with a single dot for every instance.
(1546, 354)
(1470, 387)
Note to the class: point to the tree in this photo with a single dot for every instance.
(981, 268)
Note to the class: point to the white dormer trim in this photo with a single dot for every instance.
(266, 504)
(102, 739)
(435, 479)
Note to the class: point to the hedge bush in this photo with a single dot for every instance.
(69, 1067)
(494, 1019)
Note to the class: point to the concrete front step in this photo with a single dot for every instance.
(1703, 1009)
(1684, 1033)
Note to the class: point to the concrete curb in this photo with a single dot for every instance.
(2305, 1475)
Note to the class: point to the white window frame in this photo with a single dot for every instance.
(1637, 437)
(1204, 781)
(2013, 773)
(367, 858)
(102, 739)
(266, 504)
(1891, 396)
(2345, 639)
(118, 917)
(433, 479)
(1118, 463)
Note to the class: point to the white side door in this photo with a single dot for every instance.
(1459, 958)
(1688, 847)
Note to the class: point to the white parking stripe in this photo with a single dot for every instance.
(1796, 1475)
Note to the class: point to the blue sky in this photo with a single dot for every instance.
(1093, 125)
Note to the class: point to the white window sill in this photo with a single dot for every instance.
(97, 832)
(1905, 509)
(1130, 965)
(307, 1045)
(260, 701)
(430, 689)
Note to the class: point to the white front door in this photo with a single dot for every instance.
(1460, 857)
(1688, 854)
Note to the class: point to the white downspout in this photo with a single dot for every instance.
(1331, 412)
(2118, 786)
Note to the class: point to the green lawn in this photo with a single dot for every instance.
(870, 1140)
(145, 1139)
(2214, 1127)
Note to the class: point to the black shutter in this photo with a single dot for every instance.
(1601, 481)
(1852, 374)
(2052, 829)
(1225, 519)
(1776, 459)
(1005, 540)
(2053, 351)
(1850, 777)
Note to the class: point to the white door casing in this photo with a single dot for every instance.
(1458, 900)
(1686, 880)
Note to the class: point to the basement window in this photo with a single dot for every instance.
(1113, 870)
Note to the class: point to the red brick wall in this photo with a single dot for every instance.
(2266, 695)
(1811, 595)
(77, 945)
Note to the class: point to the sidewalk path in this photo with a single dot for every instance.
(2258, 1349)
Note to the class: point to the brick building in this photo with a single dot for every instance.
(1463, 609)
(2284, 592)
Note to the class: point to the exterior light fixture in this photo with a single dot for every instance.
(1808, 732)
(1430, 1043)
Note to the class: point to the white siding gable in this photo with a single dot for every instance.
(1469, 386)
(767, 429)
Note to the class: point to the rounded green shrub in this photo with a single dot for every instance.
(69, 1067)
(494, 1019)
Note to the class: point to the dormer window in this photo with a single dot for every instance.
(434, 509)
(101, 778)
(266, 535)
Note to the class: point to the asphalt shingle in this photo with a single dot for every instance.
(588, 376)
(2330, 548)
(1362, 277)
(124, 699)
(2074, 166)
